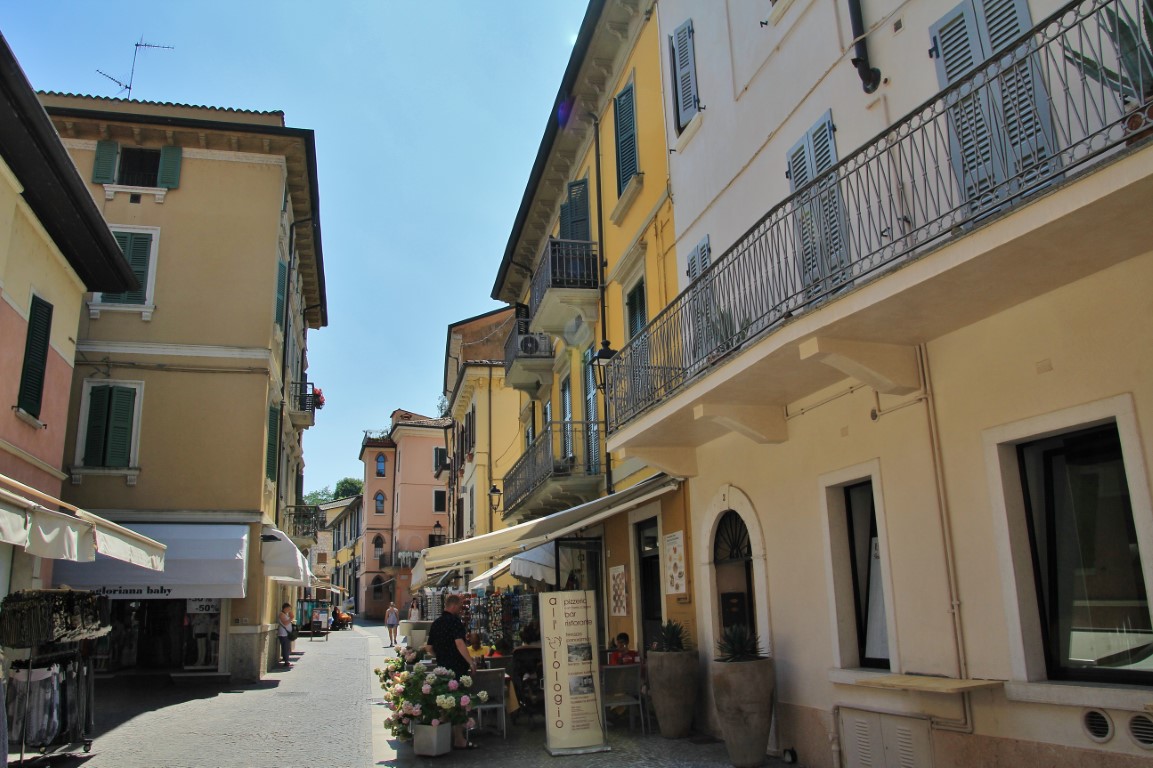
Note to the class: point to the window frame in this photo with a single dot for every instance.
(381, 465)
(79, 467)
(442, 494)
(378, 501)
(97, 304)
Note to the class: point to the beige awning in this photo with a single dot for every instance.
(483, 579)
(74, 534)
(435, 561)
(283, 560)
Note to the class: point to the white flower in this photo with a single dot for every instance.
(466, 681)
(482, 695)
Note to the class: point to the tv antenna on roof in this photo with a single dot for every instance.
(132, 75)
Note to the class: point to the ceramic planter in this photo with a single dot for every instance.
(743, 695)
(432, 740)
(673, 690)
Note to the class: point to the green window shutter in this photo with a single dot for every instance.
(565, 221)
(121, 409)
(104, 167)
(684, 74)
(137, 248)
(625, 117)
(169, 174)
(281, 291)
(272, 453)
(637, 313)
(97, 427)
(35, 357)
(578, 201)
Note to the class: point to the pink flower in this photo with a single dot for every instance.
(464, 700)
(453, 685)
(435, 721)
(426, 689)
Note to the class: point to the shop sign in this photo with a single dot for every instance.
(571, 673)
(203, 605)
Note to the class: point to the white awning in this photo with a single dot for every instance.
(63, 536)
(283, 560)
(208, 560)
(435, 561)
(330, 587)
(537, 564)
(485, 578)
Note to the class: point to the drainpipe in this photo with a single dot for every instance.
(870, 75)
(604, 312)
(491, 482)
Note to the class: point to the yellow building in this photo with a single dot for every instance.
(909, 384)
(191, 393)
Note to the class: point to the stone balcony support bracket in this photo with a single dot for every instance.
(891, 369)
(759, 423)
(678, 461)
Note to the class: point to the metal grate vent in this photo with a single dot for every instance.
(1097, 725)
(1141, 729)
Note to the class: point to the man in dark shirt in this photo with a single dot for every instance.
(446, 636)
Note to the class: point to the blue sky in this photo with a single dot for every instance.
(427, 116)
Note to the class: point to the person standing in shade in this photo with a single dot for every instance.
(391, 619)
(446, 636)
(283, 630)
(414, 610)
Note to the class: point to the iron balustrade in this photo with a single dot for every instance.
(302, 521)
(541, 347)
(564, 264)
(301, 396)
(562, 449)
(1029, 117)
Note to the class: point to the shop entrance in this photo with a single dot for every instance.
(160, 635)
(649, 582)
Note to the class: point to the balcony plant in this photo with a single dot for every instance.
(672, 678)
(424, 704)
(317, 398)
(1133, 79)
(743, 680)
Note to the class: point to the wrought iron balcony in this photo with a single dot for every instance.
(566, 284)
(302, 404)
(528, 358)
(302, 521)
(1032, 117)
(561, 468)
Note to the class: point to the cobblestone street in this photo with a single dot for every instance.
(326, 711)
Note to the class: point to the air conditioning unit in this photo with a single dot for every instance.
(535, 345)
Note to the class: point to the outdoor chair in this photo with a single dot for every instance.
(498, 662)
(621, 687)
(492, 681)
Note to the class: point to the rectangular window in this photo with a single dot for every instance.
(439, 501)
(625, 120)
(138, 249)
(686, 102)
(281, 291)
(137, 167)
(439, 459)
(635, 310)
(819, 210)
(108, 439)
(865, 566)
(1090, 579)
(31, 393)
(272, 449)
(566, 417)
(574, 212)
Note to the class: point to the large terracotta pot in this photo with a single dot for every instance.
(743, 694)
(673, 690)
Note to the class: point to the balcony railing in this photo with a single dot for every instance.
(563, 449)
(522, 344)
(1028, 118)
(302, 521)
(564, 264)
(301, 396)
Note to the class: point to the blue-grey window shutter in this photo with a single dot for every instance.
(592, 417)
(31, 393)
(97, 427)
(169, 174)
(104, 167)
(684, 74)
(565, 221)
(625, 118)
(819, 213)
(281, 291)
(578, 200)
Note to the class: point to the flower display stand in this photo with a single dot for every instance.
(432, 740)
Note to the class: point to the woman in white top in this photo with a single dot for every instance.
(414, 610)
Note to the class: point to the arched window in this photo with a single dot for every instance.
(379, 498)
(377, 588)
(733, 561)
(380, 465)
(378, 546)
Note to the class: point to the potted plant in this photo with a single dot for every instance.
(743, 681)
(1133, 79)
(423, 706)
(672, 680)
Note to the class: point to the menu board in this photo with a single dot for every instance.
(568, 628)
(619, 592)
(675, 563)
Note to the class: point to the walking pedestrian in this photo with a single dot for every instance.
(391, 619)
(284, 633)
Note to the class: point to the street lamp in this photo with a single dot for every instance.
(494, 497)
(600, 363)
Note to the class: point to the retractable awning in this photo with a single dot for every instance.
(75, 534)
(283, 560)
(202, 560)
(330, 587)
(435, 561)
(485, 578)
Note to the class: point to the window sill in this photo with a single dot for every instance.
(28, 418)
(631, 191)
(689, 132)
(1079, 694)
(128, 473)
(157, 193)
(95, 308)
(855, 675)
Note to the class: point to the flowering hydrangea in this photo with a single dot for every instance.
(425, 698)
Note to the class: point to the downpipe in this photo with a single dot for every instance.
(870, 75)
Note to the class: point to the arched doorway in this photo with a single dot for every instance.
(733, 565)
